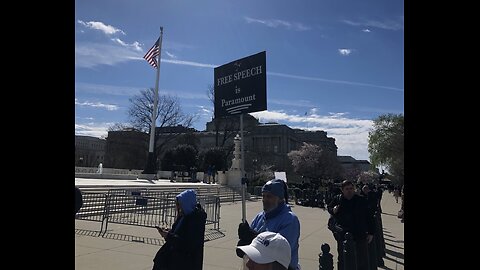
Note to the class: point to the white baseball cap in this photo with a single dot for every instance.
(268, 247)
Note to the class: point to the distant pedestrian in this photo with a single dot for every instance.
(100, 168)
(396, 193)
(214, 173)
(209, 172)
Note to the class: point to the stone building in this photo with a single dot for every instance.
(89, 151)
(264, 143)
(126, 149)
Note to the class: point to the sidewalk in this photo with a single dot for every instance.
(132, 247)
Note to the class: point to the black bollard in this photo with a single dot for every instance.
(349, 254)
(325, 259)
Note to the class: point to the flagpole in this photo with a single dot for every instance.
(150, 167)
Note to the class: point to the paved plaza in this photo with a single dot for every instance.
(126, 247)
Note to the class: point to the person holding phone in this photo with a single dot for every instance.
(186, 237)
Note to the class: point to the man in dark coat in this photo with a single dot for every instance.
(353, 215)
(183, 248)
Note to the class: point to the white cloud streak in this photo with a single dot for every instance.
(345, 51)
(351, 135)
(171, 55)
(135, 45)
(108, 107)
(100, 26)
(273, 23)
(386, 25)
(188, 63)
(366, 30)
(89, 55)
(331, 81)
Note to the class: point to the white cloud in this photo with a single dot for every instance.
(89, 55)
(345, 51)
(207, 110)
(351, 135)
(366, 30)
(106, 29)
(108, 107)
(92, 129)
(171, 55)
(84, 118)
(276, 23)
(387, 24)
(135, 45)
(338, 114)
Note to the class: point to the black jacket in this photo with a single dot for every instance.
(354, 215)
(183, 249)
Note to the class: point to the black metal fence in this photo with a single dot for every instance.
(140, 207)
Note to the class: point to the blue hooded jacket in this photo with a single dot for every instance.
(187, 200)
(280, 220)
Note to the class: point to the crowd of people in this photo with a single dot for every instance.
(271, 239)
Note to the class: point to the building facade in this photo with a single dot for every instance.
(264, 143)
(127, 149)
(89, 151)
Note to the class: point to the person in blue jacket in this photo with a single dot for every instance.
(184, 242)
(277, 216)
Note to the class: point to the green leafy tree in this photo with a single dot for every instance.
(386, 144)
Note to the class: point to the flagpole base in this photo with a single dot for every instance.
(150, 166)
(149, 177)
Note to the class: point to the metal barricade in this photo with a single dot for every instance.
(141, 207)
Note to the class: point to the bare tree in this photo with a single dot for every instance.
(118, 127)
(169, 114)
(222, 124)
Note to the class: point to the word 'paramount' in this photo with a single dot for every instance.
(237, 100)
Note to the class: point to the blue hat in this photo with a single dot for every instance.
(276, 187)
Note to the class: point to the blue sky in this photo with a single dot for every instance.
(332, 65)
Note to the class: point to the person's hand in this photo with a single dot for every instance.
(243, 230)
(245, 233)
(369, 238)
(163, 232)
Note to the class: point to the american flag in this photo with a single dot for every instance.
(151, 55)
